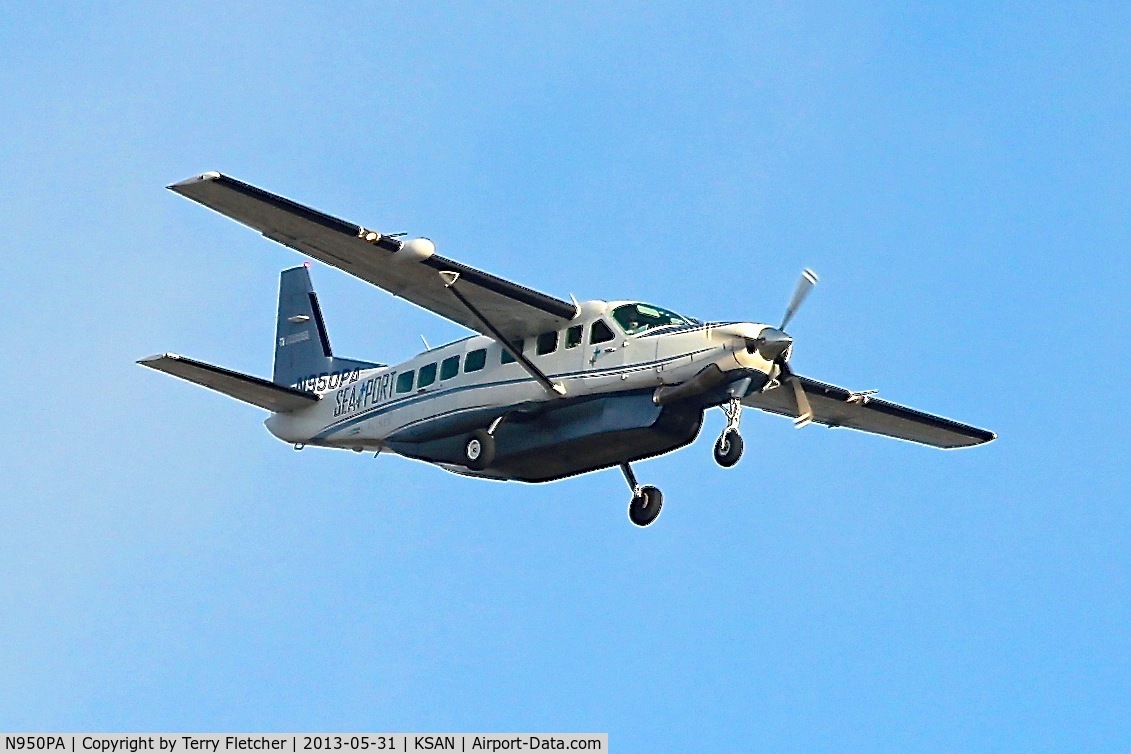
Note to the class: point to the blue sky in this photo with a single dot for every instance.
(959, 177)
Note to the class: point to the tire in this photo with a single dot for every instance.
(728, 448)
(478, 450)
(645, 508)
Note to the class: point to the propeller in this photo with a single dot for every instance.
(774, 344)
(804, 410)
(804, 285)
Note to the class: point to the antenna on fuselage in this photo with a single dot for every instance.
(426, 346)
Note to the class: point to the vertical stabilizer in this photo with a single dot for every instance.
(302, 345)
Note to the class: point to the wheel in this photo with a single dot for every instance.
(479, 450)
(728, 448)
(645, 507)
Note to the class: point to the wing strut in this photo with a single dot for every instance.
(557, 388)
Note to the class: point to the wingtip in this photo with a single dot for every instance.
(984, 437)
(211, 175)
(157, 357)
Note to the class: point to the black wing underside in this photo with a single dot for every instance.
(515, 310)
(836, 407)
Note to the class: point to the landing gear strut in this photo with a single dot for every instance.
(728, 448)
(644, 508)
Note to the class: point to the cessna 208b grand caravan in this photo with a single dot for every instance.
(547, 389)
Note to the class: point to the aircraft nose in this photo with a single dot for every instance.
(771, 343)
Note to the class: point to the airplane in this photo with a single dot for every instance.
(545, 389)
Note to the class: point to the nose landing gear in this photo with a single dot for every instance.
(728, 448)
(644, 508)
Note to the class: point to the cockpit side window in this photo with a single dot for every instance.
(636, 318)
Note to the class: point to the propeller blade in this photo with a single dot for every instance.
(804, 410)
(804, 285)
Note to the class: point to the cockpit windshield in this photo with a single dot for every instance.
(636, 318)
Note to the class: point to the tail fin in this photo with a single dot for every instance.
(302, 346)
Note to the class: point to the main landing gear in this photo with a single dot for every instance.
(479, 447)
(644, 508)
(728, 448)
(479, 450)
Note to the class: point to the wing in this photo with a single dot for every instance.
(381, 260)
(242, 387)
(836, 407)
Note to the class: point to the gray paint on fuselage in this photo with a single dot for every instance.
(410, 399)
(367, 412)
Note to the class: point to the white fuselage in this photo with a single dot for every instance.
(363, 409)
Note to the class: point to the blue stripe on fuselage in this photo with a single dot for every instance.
(419, 398)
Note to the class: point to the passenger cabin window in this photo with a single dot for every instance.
(449, 367)
(636, 318)
(547, 343)
(518, 345)
(427, 375)
(404, 381)
(573, 336)
(475, 360)
(600, 332)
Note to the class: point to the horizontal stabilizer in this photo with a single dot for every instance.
(836, 407)
(242, 387)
